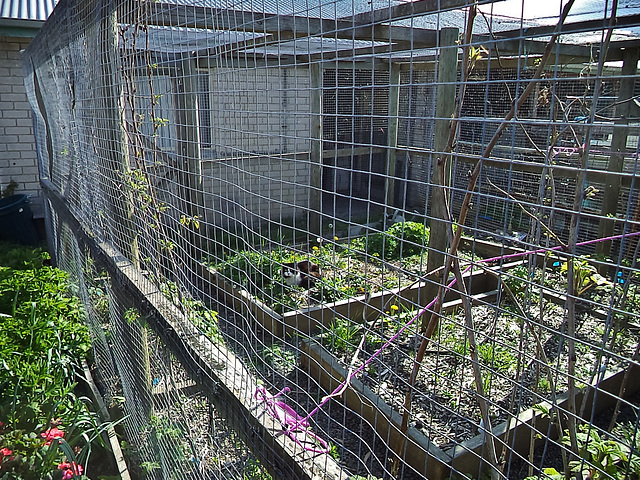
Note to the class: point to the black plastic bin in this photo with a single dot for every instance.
(16, 220)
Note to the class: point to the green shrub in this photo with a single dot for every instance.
(400, 240)
(42, 341)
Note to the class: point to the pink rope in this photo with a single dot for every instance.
(305, 420)
(293, 425)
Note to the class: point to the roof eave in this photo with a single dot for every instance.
(13, 27)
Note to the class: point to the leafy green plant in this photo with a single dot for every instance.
(276, 356)
(602, 457)
(46, 431)
(400, 240)
(343, 334)
(586, 275)
(254, 470)
(549, 473)
(517, 280)
(497, 357)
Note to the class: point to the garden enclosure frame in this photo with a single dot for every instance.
(189, 150)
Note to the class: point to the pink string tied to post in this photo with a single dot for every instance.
(293, 425)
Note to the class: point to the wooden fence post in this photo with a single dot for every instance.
(440, 160)
(611, 192)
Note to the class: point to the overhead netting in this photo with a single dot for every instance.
(351, 239)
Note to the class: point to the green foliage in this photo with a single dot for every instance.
(400, 240)
(258, 272)
(46, 431)
(253, 470)
(20, 258)
(603, 458)
(343, 334)
(517, 280)
(497, 357)
(42, 339)
(585, 276)
(202, 317)
(274, 356)
(550, 473)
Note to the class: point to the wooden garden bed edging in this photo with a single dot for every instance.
(467, 457)
(481, 286)
(110, 434)
(420, 453)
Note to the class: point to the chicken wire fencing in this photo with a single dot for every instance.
(352, 239)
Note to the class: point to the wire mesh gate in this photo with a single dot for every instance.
(417, 222)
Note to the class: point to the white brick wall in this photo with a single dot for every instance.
(258, 111)
(253, 191)
(18, 158)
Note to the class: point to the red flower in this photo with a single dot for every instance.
(5, 452)
(69, 470)
(51, 434)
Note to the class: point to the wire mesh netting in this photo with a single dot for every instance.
(352, 239)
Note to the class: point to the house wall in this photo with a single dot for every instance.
(257, 115)
(18, 159)
(259, 110)
(256, 190)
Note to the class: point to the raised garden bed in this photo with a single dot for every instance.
(466, 457)
(433, 449)
(445, 429)
(311, 318)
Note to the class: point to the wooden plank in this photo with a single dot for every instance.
(410, 9)
(112, 152)
(192, 16)
(315, 157)
(312, 320)
(439, 224)
(304, 156)
(560, 171)
(112, 438)
(219, 373)
(420, 452)
(392, 135)
(188, 135)
(621, 21)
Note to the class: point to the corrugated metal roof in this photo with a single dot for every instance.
(26, 9)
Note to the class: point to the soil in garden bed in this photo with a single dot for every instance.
(444, 406)
(355, 443)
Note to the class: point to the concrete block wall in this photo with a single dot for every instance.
(259, 110)
(18, 159)
(257, 115)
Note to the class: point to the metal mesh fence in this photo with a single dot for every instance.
(350, 239)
